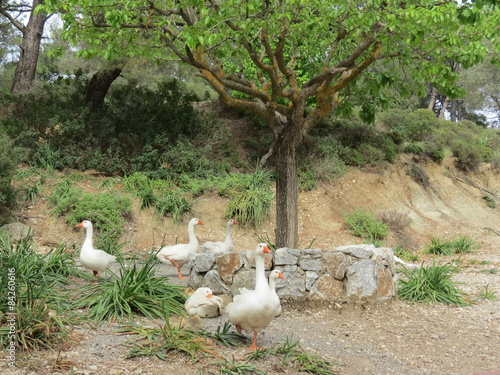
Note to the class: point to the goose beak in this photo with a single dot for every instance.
(209, 296)
(79, 225)
(280, 276)
(266, 249)
(200, 222)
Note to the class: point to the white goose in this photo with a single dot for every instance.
(273, 276)
(179, 254)
(220, 247)
(253, 310)
(203, 303)
(97, 261)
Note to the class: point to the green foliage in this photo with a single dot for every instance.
(133, 290)
(460, 245)
(139, 128)
(175, 204)
(108, 212)
(364, 224)
(38, 286)
(9, 157)
(251, 197)
(430, 284)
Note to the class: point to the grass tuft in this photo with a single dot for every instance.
(430, 284)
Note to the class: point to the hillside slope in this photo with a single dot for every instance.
(453, 204)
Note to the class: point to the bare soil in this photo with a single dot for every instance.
(386, 338)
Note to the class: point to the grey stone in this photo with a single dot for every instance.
(213, 281)
(364, 251)
(361, 281)
(336, 264)
(311, 278)
(202, 262)
(285, 256)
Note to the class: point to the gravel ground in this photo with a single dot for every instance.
(387, 338)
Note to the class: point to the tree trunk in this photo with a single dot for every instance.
(453, 110)
(433, 99)
(442, 112)
(25, 73)
(287, 192)
(99, 85)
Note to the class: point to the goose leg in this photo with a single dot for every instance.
(179, 273)
(253, 346)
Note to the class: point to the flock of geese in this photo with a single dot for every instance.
(252, 310)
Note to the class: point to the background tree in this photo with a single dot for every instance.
(482, 83)
(291, 62)
(32, 32)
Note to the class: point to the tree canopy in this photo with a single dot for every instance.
(291, 62)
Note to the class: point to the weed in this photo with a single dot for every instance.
(492, 271)
(174, 204)
(233, 367)
(405, 254)
(487, 294)
(490, 201)
(159, 341)
(430, 284)
(225, 336)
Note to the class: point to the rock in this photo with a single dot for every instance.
(361, 281)
(203, 262)
(16, 231)
(328, 288)
(227, 265)
(214, 282)
(358, 251)
(336, 264)
(286, 256)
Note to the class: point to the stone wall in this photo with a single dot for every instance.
(357, 272)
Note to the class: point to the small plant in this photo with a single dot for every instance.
(430, 284)
(490, 201)
(292, 352)
(364, 224)
(405, 254)
(133, 290)
(160, 341)
(461, 245)
(225, 336)
(419, 175)
(233, 367)
(487, 294)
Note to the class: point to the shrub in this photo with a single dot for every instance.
(430, 284)
(364, 224)
(9, 157)
(419, 175)
(108, 212)
(490, 201)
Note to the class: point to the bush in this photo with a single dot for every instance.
(108, 212)
(419, 175)
(364, 224)
(9, 158)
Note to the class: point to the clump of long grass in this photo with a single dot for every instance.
(134, 289)
(430, 284)
(38, 286)
(460, 245)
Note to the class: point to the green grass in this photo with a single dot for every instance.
(133, 290)
(430, 284)
(460, 245)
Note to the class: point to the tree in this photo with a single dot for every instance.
(291, 62)
(32, 33)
